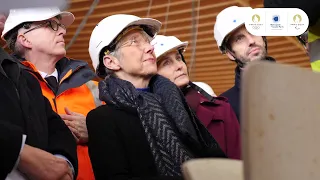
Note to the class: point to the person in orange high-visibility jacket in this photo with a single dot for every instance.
(35, 36)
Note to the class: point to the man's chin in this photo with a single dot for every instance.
(60, 54)
(257, 58)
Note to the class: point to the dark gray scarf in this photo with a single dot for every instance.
(174, 133)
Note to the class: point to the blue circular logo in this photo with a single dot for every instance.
(276, 18)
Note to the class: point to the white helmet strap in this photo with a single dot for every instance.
(239, 63)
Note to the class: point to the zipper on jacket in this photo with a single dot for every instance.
(76, 69)
(14, 85)
(15, 88)
(73, 71)
(55, 103)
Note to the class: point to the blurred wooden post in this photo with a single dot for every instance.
(211, 169)
(281, 122)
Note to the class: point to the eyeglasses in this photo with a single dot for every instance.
(138, 41)
(54, 25)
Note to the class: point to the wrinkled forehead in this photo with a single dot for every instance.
(171, 53)
(133, 33)
(239, 31)
(126, 35)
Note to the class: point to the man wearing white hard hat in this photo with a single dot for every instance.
(36, 37)
(36, 144)
(214, 112)
(146, 130)
(239, 45)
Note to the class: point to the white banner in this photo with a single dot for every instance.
(277, 22)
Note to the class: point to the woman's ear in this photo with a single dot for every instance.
(111, 62)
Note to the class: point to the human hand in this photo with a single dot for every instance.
(77, 124)
(38, 164)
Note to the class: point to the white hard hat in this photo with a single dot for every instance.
(18, 16)
(110, 27)
(206, 88)
(227, 21)
(163, 44)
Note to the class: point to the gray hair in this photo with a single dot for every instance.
(102, 70)
(11, 39)
(116, 54)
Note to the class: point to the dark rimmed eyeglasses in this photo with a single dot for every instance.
(54, 25)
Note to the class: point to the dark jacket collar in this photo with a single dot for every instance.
(72, 73)
(64, 65)
(9, 66)
(237, 78)
(4, 56)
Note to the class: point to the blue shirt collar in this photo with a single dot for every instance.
(144, 89)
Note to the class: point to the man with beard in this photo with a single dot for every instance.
(239, 45)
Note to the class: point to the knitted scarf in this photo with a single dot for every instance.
(173, 132)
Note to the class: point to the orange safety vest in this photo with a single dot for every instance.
(76, 91)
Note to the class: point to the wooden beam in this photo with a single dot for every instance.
(223, 61)
(219, 83)
(102, 6)
(176, 12)
(283, 50)
(216, 78)
(209, 69)
(215, 73)
(173, 21)
(291, 57)
(295, 41)
(243, 2)
(259, 6)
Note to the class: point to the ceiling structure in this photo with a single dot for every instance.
(177, 17)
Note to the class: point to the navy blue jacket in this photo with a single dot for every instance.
(233, 94)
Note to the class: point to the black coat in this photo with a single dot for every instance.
(233, 94)
(118, 146)
(24, 110)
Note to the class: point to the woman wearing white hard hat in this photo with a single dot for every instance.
(206, 88)
(146, 130)
(239, 45)
(214, 112)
